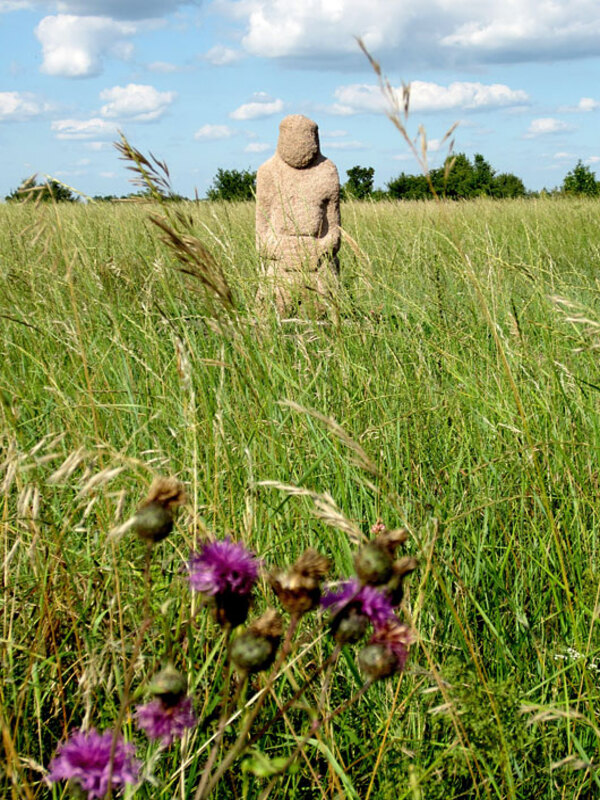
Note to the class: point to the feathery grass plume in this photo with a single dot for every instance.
(177, 228)
(325, 509)
(397, 112)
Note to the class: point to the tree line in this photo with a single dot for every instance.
(460, 178)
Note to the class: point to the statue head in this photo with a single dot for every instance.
(298, 143)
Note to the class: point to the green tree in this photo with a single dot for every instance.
(233, 184)
(458, 179)
(581, 180)
(483, 175)
(508, 185)
(409, 187)
(50, 191)
(359, 185)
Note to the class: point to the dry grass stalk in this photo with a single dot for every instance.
(177, 228)
(360, 459)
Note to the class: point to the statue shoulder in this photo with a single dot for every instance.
(266, 167)
(328, 165)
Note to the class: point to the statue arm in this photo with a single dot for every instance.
(264, 200)
(330, 242)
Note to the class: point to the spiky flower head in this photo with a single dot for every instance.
(373, 564)
(223, 566)
(299, 588)
(166, 720)
(85, 761)
(153, 520)
(227, 572)
(387, 650)
(168, 684)
(366, 600)
(254, 649)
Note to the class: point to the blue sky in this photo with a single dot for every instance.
(205, 84)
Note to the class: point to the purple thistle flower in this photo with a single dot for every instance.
(166, 722)
(367, 600)
(85, 759)
(397, 639)
(223, 567)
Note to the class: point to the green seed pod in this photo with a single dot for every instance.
(373, 564)
(153, 522)
(348, 628)
(168, 684)
(377, 661)
(251, 652)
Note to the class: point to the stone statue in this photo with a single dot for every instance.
(298, 219)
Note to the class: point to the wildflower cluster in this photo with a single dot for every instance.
(371, 599)
(225, 573)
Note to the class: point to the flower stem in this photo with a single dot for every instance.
(128, 679)
(241, 742)
(311, 731)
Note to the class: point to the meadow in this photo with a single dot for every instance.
(454, 391)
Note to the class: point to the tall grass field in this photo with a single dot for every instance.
(453, 390)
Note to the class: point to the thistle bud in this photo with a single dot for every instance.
(350, 627)
(254, 650)
(252, 653)
(377, 661)
(402, 568)
(153, 522)
(391, 540)
(373, 564)
(299, 589)
(169, 685)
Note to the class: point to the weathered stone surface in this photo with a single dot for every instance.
(298, 218)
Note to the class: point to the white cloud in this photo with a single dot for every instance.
(21, 106)
(334, 134)
(220, 56)
(359, 98)
(136, 102)
(164, 67)
(336, 144)
(420, 30)
(261, 106)
(592, 160)
(214, 132)
(74, 47)
(13, 5)
(585, 104)
(83, 128)
(108, 174)
(257, 147)
(563, 156)
(546, 125)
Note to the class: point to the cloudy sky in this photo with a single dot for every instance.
(204, 84)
